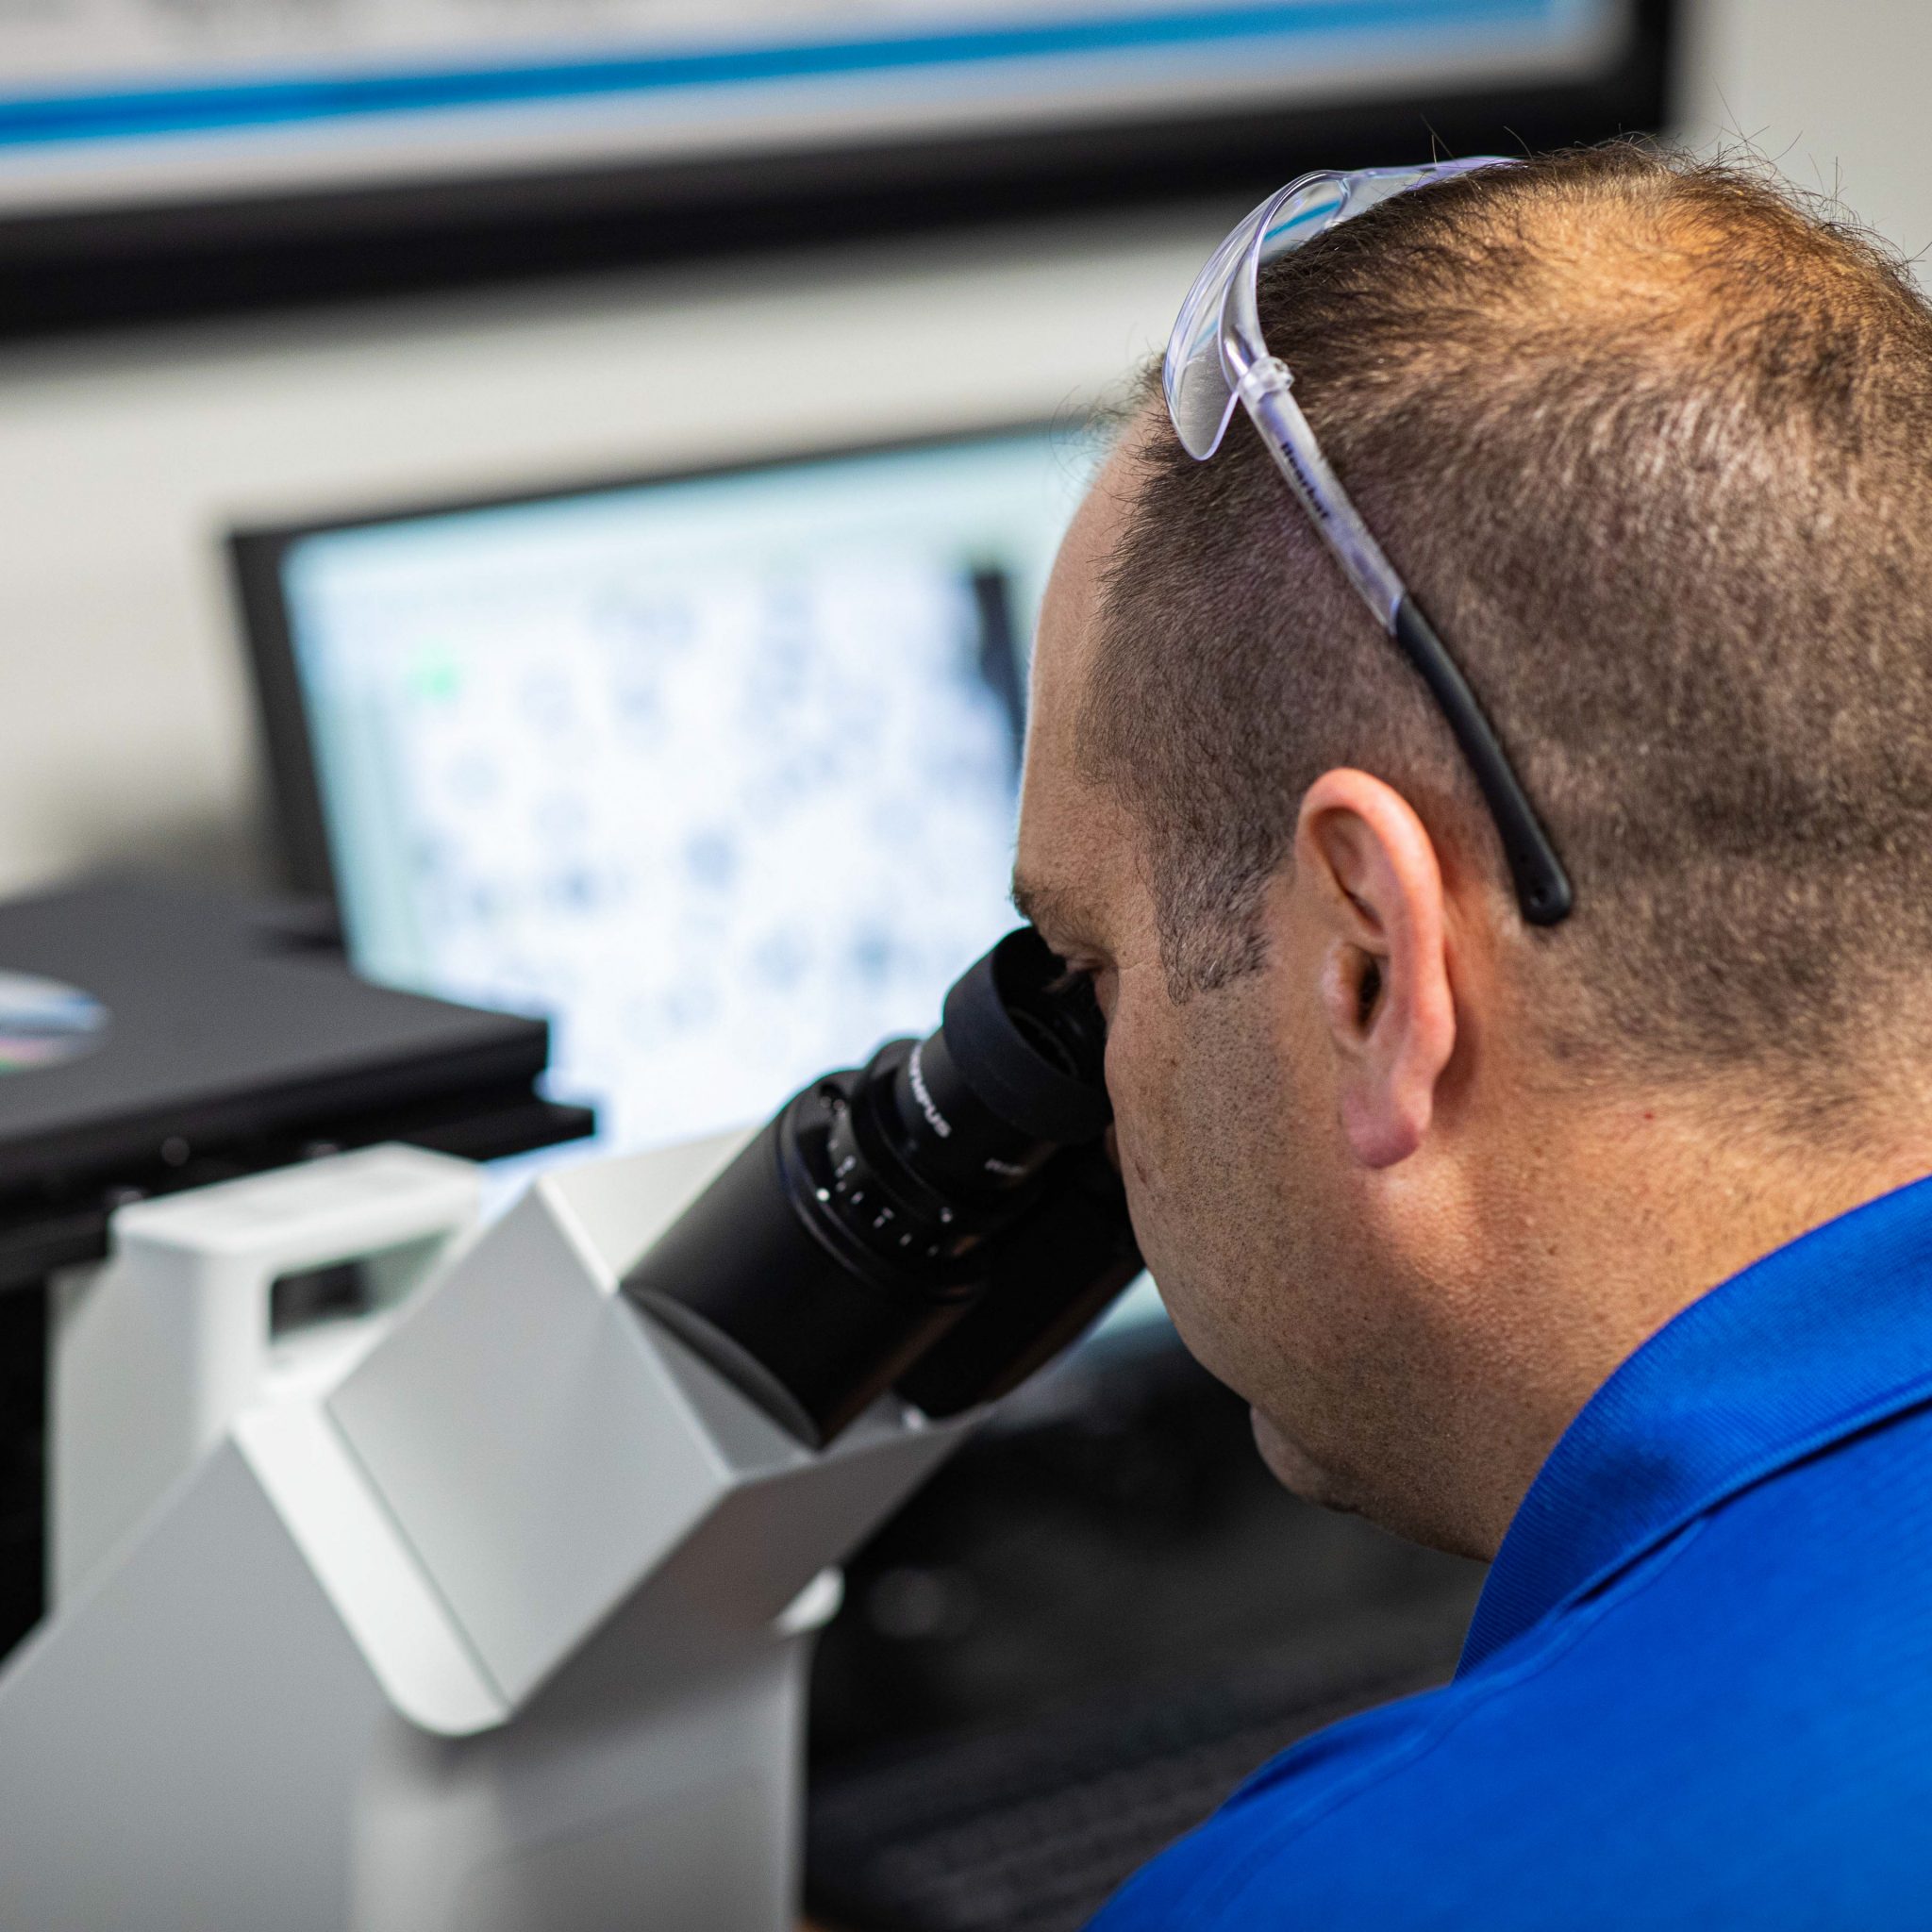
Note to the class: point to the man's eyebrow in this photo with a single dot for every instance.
(1045, 906)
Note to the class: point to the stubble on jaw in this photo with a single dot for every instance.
(1296, 1471)
(1266, 1264)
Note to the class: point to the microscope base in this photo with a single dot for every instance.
(201, 1745)
(504, 1629)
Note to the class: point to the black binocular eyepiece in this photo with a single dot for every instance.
(940, 1220)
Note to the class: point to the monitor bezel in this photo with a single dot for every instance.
(256, 554)
(82, 269)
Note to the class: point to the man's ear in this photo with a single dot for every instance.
(1366, 872)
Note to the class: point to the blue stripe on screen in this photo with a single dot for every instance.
(213, 106)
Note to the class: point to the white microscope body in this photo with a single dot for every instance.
(489, 1617)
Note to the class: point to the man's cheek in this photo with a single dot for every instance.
(1151, 1165)
(1128, 1140)
(1143, 1196)
(1166, 1217)
(1158, 1224)
(1154, 1154)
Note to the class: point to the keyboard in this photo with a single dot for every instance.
(1031, 1828)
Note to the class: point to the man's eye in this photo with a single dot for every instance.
(1094, 974)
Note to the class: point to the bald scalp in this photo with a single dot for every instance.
(1652, 441)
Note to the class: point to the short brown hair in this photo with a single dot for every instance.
(1652, 441)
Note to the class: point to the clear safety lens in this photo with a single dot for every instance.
(1219, 316)
(1198, 396)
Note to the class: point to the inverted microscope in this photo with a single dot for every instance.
(491, 1608)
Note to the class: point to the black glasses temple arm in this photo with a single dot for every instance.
(1542, 887)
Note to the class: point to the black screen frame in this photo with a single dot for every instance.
(116, 267)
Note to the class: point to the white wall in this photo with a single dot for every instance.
(124, 714)
(124, 719)
(1835, 91)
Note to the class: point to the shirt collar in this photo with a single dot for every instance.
(1819, 1339)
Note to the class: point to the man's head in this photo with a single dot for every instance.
(1651, 445)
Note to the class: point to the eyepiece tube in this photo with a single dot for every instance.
(880, 1205)
(1054, 1274)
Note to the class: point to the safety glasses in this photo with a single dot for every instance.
(1216, 358)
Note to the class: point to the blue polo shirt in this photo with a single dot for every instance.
(1697, 1690)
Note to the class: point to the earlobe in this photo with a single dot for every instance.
(1376, 886)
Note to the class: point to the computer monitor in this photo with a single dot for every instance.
(129, 107)
(191, 158)
(718, 771)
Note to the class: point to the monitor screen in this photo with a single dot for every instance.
(138, 102)
(719, 773)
